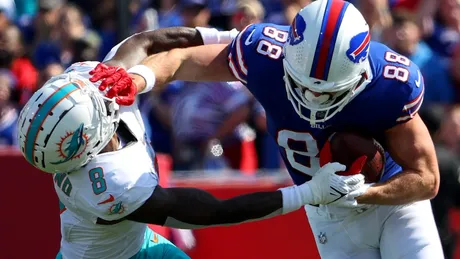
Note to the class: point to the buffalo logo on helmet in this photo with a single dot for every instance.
(72, 145)
(359, 47)
(297, 29)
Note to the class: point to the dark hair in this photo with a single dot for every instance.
(402, 17)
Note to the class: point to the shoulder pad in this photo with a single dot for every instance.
(253, 45)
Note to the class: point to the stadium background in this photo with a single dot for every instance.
(39, 38)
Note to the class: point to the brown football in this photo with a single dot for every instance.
(347, 147)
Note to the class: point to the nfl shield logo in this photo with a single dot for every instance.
(322, 238)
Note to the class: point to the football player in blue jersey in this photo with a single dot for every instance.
(335, 79)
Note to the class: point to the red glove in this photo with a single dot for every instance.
(121, 84)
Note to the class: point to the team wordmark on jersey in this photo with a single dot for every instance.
(63, 182)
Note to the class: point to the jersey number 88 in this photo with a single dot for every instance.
(269, 49)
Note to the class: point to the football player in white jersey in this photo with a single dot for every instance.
(106, 177)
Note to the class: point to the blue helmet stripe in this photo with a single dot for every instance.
(334, 40)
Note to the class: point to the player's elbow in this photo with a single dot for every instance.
(431, 183)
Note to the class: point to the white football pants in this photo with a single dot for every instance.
(378, 232)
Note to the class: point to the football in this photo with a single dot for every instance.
(346, 148)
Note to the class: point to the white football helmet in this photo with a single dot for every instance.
(326, 59)
(66, 123)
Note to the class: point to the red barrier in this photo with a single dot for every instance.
(29, 222)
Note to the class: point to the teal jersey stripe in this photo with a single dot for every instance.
(61, 206)
(41, 115)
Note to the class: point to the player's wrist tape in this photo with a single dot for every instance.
(292, 198)
(213, 36)
(147, 74)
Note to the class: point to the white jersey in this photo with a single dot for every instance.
(109, 187)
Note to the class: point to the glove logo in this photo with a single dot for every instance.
(322, 238)
(337, 193)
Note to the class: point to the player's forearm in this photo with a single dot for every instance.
(406, 187)
(197, 209)
(202, 63)
(165, 66)
(141, 45)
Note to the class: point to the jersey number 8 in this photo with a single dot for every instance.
(301, 151)
(96, 176)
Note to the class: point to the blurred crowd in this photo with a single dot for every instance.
(220, 125)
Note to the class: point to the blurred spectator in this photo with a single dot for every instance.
(194, 13)
(83, 51)
(25, 7)
(445, 32)
(50, 70)
(289, 8)
(247, 12)
(21, 66)
(8, 112)
(377, 14)
(46, 19)
(404, 37)
(455, 70)
(68, 36)
(144, 17)
(449, 131)
(104, 15)
(7, 13)
(168, 13)
(207, 116)
(266, 147)
(156, 108)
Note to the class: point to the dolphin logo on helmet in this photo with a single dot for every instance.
(73, 146)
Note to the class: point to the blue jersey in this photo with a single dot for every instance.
(393, 96)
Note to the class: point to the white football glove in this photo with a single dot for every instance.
(349, 200)
(326, 187)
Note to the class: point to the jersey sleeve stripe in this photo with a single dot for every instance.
(239, 53)
(415, 102)
(412, 113)
(411, 108)
(234, 70)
